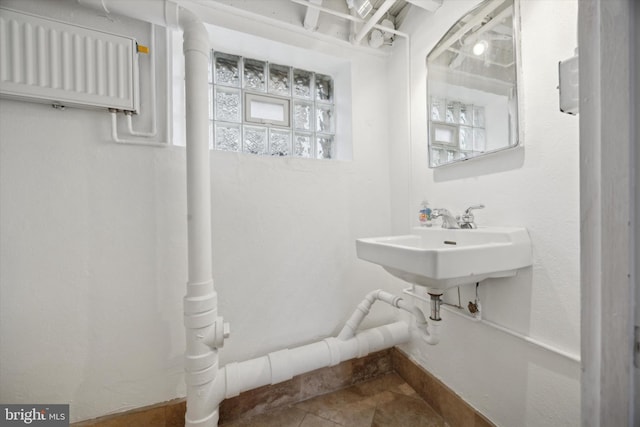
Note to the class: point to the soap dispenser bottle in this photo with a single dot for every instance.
(424, 215)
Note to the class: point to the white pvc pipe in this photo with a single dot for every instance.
(154, 113)
(196, 51)
(460, 312)
(116, 138)
(204, 329)
(164, 13)
(431, 333)
(285, 364)
(279, 366)
(282, 365)
(526, 338)
(152, 84)
(200, 303)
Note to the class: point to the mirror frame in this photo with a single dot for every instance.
(516, 17)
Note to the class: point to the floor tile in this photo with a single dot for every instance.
(386, 401)
(261, 400)
(311, 420)
(346, 407)
(454, 410)
(149, 417)
(406, 411)
(286, 417)
(391, 382)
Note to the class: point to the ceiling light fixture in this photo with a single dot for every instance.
(480, 47)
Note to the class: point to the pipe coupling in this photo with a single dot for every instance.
(334, 351)
(200, 377)
(280, 362)
(363, 345)
(200, 303)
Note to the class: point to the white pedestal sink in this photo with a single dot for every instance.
(439, 258)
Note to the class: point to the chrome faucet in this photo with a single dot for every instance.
(466, 220)
(448, 220)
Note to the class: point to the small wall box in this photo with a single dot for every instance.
(568, 85)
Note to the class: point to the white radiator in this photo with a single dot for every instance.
(43, 60)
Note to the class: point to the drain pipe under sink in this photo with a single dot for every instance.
(431, 333)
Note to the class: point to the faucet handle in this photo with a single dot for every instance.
(467, 220)
(470, 208)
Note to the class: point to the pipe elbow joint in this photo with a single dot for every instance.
(196, 37)
(431, 333)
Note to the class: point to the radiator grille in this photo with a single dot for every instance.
(49, 61)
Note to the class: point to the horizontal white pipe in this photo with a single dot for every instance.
(161, 12)
(526, 338)
(530, 340)
(286, 364)
(150, 134)
(279, 366)
(116, 138)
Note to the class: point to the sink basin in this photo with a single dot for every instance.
(439, 258)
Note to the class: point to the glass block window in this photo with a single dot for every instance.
(457, 129)
(269, 109)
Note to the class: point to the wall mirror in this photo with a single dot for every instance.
(472, 85)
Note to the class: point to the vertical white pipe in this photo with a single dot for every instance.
(153, 60)
(204, 331)
(196, 53)
(201, 362)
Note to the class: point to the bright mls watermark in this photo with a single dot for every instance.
(34, 415)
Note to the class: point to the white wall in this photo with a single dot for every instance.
(93, 236)
(512, 382)
(93, 242)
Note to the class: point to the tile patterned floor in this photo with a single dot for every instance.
(386, 401)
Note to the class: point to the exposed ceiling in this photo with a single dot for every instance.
(334, 18)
